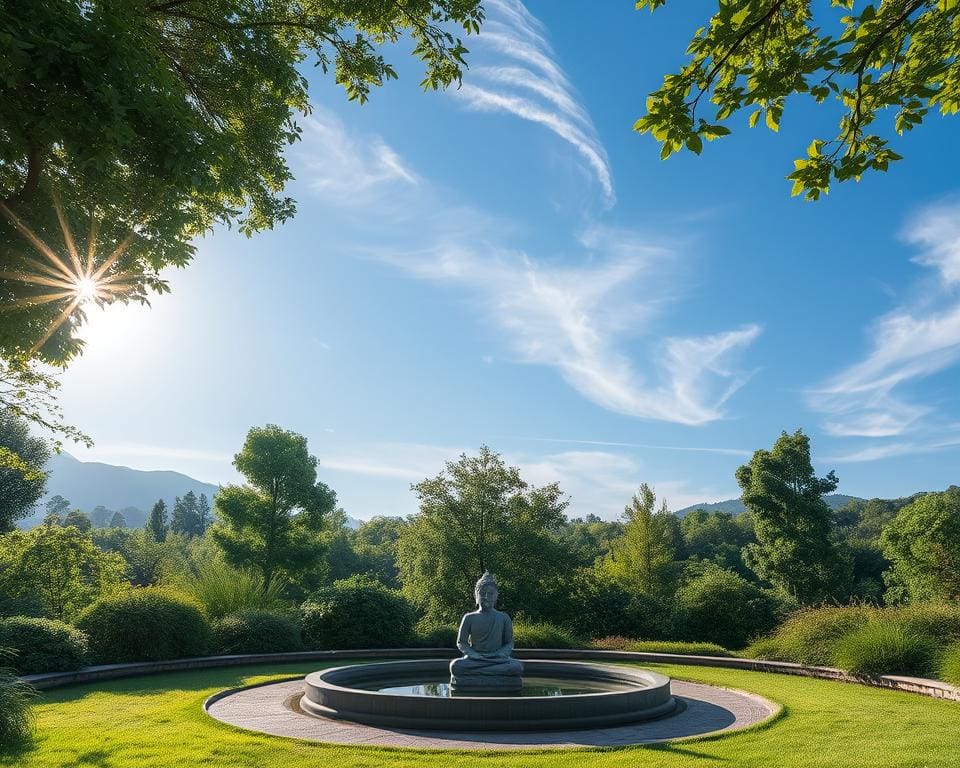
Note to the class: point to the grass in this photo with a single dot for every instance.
(884, 648)
(660, 646)
(157, 721)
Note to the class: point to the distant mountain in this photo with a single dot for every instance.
(735, 506)
(133, 492)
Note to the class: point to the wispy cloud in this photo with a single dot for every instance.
(523, 78)
(574, 319)
(889, 450)
(344, 168)
(909, 344)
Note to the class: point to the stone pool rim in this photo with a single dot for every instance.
(642, 695)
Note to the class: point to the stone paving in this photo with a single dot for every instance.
(273, 709)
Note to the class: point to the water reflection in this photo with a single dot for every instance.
(532, 686)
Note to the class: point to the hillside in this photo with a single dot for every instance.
(735, 506)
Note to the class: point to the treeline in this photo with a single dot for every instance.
(706, 577)
(190, 515)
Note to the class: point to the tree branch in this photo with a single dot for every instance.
(32, 180)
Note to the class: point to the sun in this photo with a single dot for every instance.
(86, 290)
(71, 279)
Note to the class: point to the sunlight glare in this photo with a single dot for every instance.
(86, 290)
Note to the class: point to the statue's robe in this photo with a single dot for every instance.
(489, 633)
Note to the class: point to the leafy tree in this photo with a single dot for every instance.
(118, 521)
(272, 523)
(898, 58)
(203, 514)
(923, 543)
(150, 122)
(57, 505)
(476, 515)
(375, 546)
(78, 519)
(641, 560)
(59, 567)
(186, 515)
(717, 537)
(100, 516)
(589, 538)
(794, 550)
(157, 524)
(22, 479)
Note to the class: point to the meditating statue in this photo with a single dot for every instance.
(486, 641)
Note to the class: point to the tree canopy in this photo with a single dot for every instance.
(896, 59)
(22, 479)
(923, 543)
(794, 549)
(129, 128)
(478, 515)
(641, 560)
(272, 523)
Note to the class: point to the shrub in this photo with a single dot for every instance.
(15, 698)
(543, 635)
(255, 632)
(882, 648)
(42, 645)
(724, 608)
(950, 665)
(810, 635)
(146, 624)
(659, 646)
(602, 608)
(222, 590)
(357, 613)
(429, 634)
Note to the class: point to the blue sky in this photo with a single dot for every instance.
(510, 264)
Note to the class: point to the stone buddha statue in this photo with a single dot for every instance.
(486, 641)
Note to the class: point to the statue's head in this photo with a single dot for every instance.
(486, 591)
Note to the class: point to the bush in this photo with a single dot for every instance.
(602, 608)
(255, 632)
(15, 716)
(357, 613)
(810, 635)
(42, 645)
(543, 635)
(146, 624)
(222, 590)
(659, 646)
(950, 665)
(724, 608)
(429, 634)
(884, 648)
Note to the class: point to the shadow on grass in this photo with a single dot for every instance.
(13, 754)
(683, 751)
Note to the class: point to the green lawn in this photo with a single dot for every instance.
(157, 721)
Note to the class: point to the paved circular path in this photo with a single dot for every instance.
(273, 709)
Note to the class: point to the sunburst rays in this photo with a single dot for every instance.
(72, 280)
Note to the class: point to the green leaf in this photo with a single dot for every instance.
(695, 144)
(772, 119)
(752, 122)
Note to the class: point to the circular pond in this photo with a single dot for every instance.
(557, 695)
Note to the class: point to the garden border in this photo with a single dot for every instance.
(933, 688)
